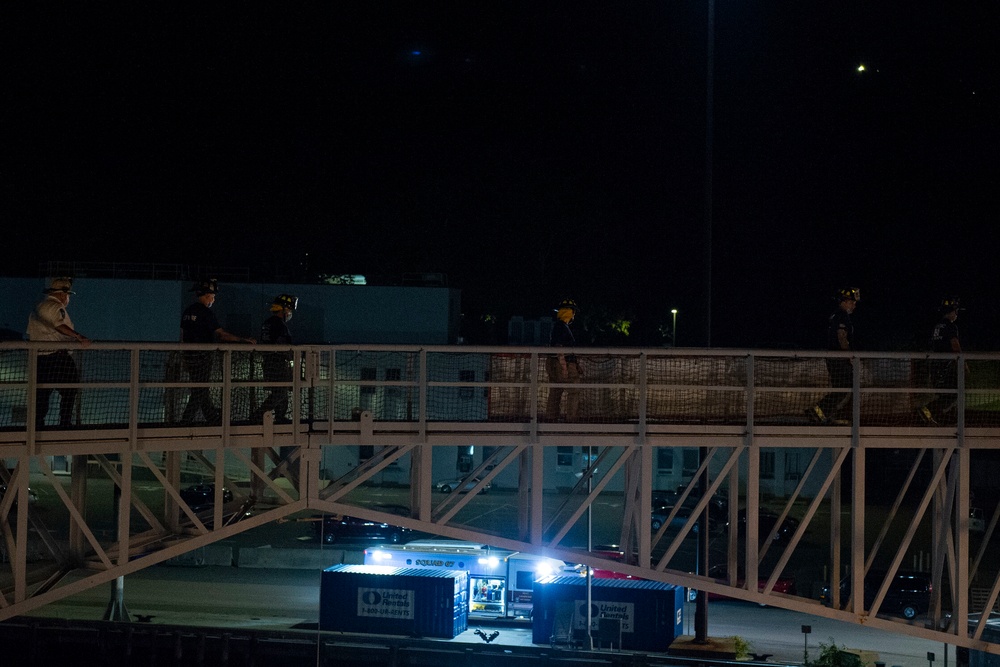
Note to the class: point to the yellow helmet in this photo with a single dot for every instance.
(283, 301)
(567, 303)
(849, 294)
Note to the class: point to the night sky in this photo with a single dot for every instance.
(529, 151)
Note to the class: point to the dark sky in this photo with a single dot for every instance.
(529, 151)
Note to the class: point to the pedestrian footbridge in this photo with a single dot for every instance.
(708, 468)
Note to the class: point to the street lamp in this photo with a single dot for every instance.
(673, 335)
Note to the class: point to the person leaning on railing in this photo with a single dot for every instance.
(199, 325)
(50, 322)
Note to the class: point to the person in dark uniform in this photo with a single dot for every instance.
(50, 322)
(835, 406)
(563, 367)
(944, 372)
(277, 365)
(199, 325)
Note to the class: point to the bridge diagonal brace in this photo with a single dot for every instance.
(701, 504)
(74, 512)
(918, 515)
(578, 488)
(147, 514)
(255, 469)
(623, 456)
(283, 464)
(171, 491)
(675, 545)
(987, 538)
(339, 488)
(466, 498)
(491, 466)
(800, 531)
(991, 600)
(897, 503)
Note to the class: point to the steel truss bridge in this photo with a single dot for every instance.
(876, 491)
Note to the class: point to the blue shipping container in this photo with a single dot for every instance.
(650, 614)
(394, 601)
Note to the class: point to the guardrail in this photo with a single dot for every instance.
(152, 385)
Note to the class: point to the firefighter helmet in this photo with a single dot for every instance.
(949, 304)
(285, 301)
(567, 303)
(209, 286)
(63, 284)
(849, 294)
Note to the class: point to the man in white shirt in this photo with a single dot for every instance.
(49, 322)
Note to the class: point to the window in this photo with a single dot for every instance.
(690, 461)
(564, 457)
(525, 580)
(665, 459)
(464, 461)
(793, 465)
(487, 455)
(767, 465)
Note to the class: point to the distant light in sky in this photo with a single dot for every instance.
(861, 67)
(416, 53)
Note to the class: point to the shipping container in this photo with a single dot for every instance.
(634, 614)
(394, 601)
(501, 581)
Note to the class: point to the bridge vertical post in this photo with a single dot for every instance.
(537, 454)
(422, 398)
(31, 401)
(644, 537)
(133, 404)
(123, 502)
(751, 534)
(835, 530)
(960, 592)
(857, 505)
(857, 491)
(753, 490)
(78, 493)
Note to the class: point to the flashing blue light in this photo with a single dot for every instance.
(416, 53)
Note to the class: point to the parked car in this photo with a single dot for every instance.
(909, 592)
(449, 485)
(782, 584)
(660, 514)
(612, 552)
(332, 528)
(32, 495)
(666, 500)
(766, 520)
(202, 496)
(977, 520)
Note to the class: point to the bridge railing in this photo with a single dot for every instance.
(156, 385)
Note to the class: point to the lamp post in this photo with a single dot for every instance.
(673, 334)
